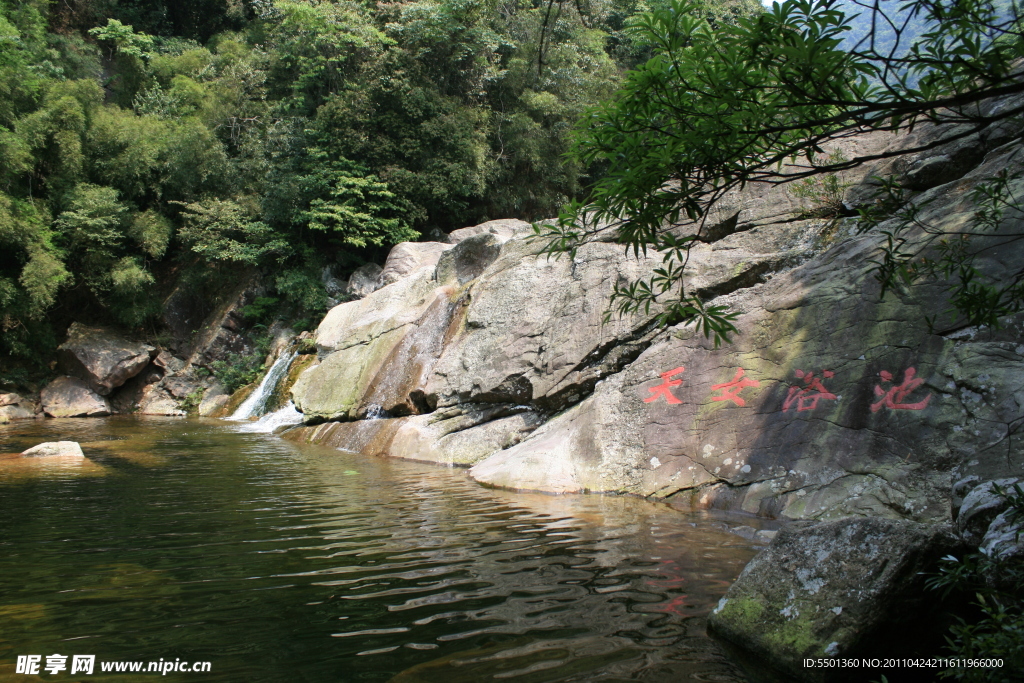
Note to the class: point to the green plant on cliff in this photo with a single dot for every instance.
(240, 369)
(995, 628)
(716, 108)
(823, 193)
(190, 404)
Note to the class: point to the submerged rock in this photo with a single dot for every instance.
(835, 589)
(55, 449)
(102, 358)
(71, 397)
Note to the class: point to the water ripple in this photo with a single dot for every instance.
(280, 563)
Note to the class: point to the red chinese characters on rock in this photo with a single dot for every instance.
(803, 398)
(893, 397)
(731, 390)
(807, 398)
(665, 388)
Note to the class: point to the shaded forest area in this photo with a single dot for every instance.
(153, 144)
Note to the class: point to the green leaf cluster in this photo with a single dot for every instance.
(993, 625)
(145, 142)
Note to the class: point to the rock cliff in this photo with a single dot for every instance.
(831, 402)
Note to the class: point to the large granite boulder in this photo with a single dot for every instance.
(376, 350)
(407, 257)
(71, 397)
(102, 358)
(846, 588)
(504, 229)
(831, 402)
(55, 449)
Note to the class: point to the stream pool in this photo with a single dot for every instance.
(190, 541)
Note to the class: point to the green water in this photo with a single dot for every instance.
(187, 539)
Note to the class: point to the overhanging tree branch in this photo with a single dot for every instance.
(721, 106)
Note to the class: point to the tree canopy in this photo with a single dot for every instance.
(720, 105)
(144, 143)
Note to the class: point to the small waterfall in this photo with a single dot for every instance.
(256, 404)
(376, 412)
(285, 416)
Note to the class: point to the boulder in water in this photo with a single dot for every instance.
(55, 449)
(71, 397)
(832, 590)
(14, 407)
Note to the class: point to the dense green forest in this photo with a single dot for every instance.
(148, 144)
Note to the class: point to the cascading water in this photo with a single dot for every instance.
(256, 404)
(375, 412)
(285, 416)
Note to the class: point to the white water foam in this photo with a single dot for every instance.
(256, 404)
(285, 416)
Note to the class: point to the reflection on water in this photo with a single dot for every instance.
(284, 563)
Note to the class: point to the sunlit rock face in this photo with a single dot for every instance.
(830, 402)
(16, 407)
(55, 449)
(71, 397)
